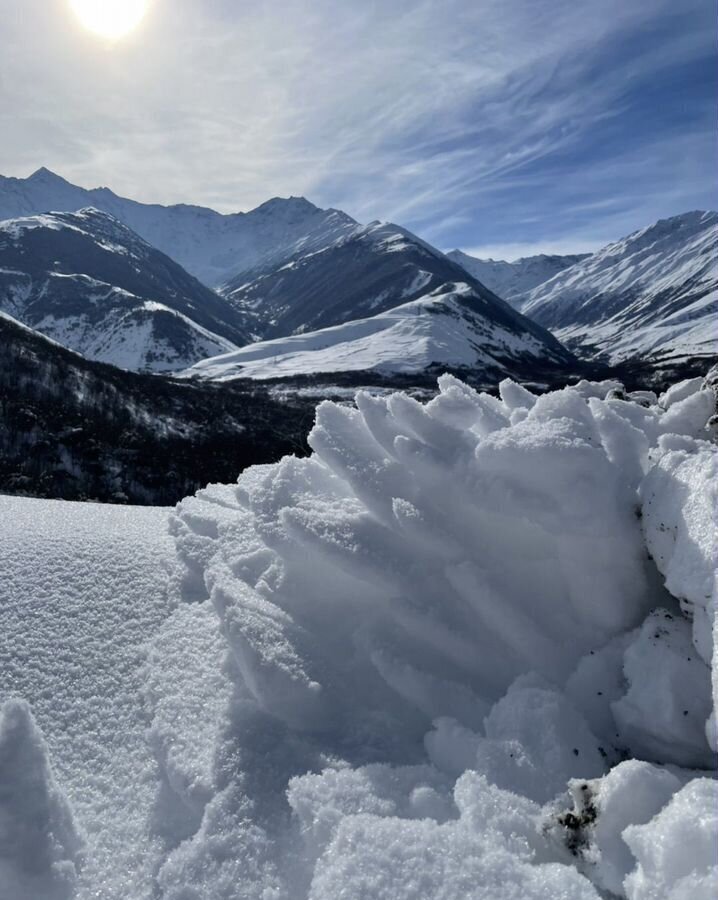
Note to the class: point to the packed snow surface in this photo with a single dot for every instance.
(432, 661)
(82, 586)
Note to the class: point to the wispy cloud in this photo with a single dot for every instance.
(474, 122)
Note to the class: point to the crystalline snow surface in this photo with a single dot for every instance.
(388, 661)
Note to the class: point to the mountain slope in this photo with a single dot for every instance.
(209, 245)
(90, 283)
(371, 270)
(511, 279)
(652, 295)
(77, 429)
(452, 327)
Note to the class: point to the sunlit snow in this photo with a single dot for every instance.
(462, 651)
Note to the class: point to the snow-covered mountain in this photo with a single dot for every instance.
(653, 294)
(452, 327)
(370, 270)
(87, 281)
(209, 245)
(512, 279)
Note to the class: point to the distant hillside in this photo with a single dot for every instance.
(76, 429)
(652, 295)
(512, 279)
(90, 283)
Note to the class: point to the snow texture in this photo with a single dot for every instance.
(676, 851)
(83, 587)
(425, 745)
(432, 661)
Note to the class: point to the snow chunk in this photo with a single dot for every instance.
(487, 853)
(40, 847)
(663, 714)
(680, 522)
(534, 743)
(676, 851)
(680, 391)
(631, 794)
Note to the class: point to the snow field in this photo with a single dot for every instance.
(83, 587)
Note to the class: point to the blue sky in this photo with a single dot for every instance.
(504, 127)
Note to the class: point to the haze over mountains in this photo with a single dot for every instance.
(209, 245)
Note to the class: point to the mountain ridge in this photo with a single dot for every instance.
(651, 294)
(212, 246)
(90, 283)
(512, 279)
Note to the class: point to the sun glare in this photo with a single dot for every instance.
(110, 18)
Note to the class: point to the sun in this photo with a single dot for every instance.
(110, 18)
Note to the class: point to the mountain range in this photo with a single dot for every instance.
(303, 300)
(156, 288)
(90, 283)
(211, 246)
(652, 295)
(511, 280)
(455, 326)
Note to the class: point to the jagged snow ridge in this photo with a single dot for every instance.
(434, 627)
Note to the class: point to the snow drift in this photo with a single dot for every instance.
(427, 649)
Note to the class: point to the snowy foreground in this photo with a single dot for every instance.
(463, 651)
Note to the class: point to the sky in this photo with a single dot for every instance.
(502, 127)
